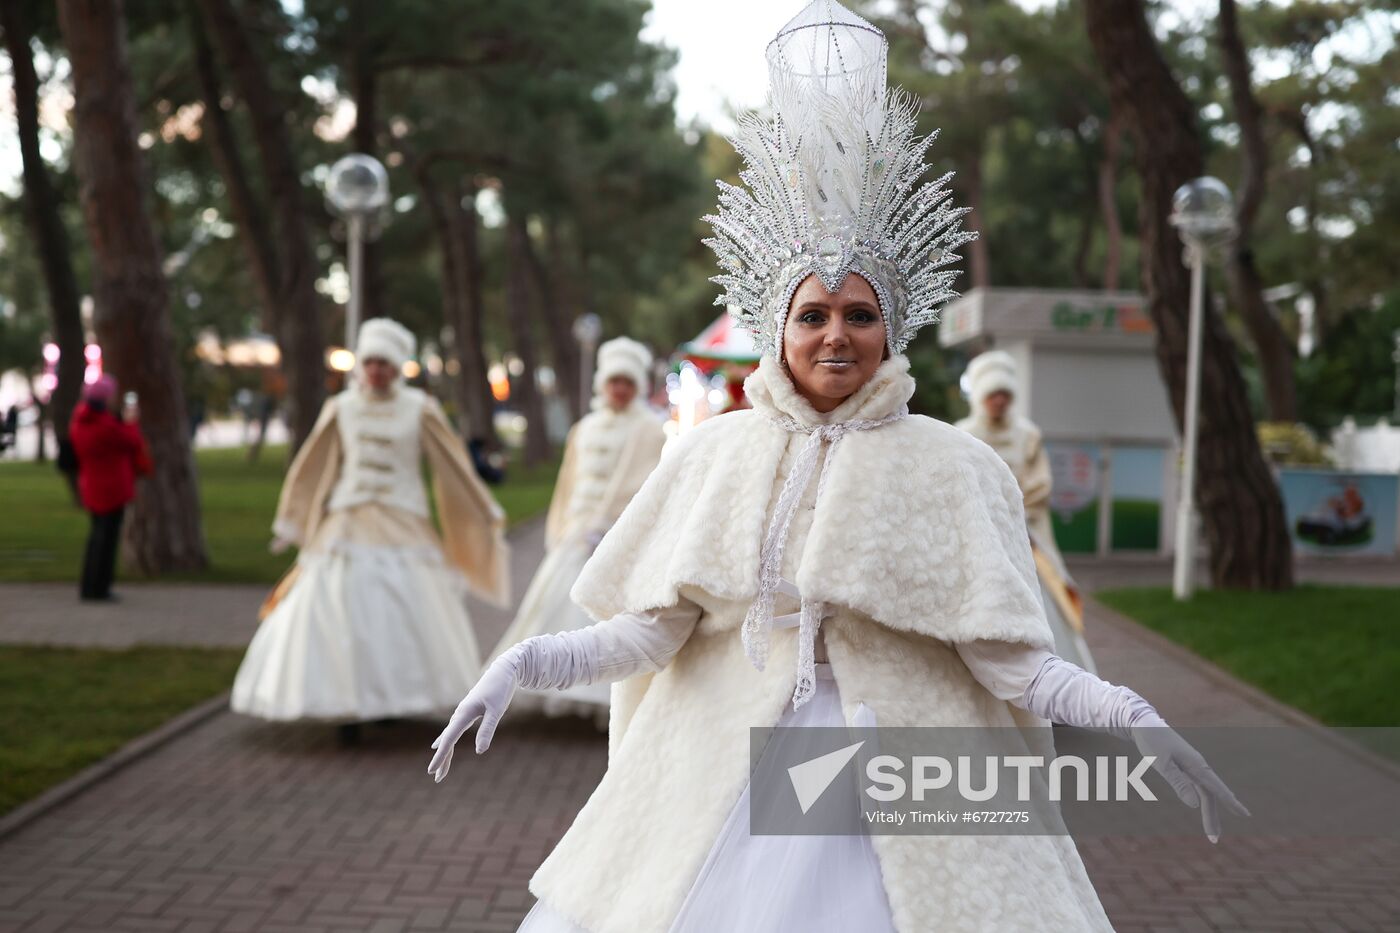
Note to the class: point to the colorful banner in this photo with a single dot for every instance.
(1074, 497)
(1341, 513)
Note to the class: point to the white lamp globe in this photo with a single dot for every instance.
(358, 184)
(1203, 210)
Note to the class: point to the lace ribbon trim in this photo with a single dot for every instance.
(759, 621)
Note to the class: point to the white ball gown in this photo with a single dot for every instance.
(371, 622)
(607, 457)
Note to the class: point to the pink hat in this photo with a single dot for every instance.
(103, 390)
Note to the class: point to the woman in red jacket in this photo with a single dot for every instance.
(111, 454)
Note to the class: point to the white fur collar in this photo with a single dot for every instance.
(921, 526)
(368, 393)
(771, 391)
(599, 403)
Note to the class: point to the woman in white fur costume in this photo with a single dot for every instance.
(993, 387)
(372, 623)
(824, 559)
(609, 454)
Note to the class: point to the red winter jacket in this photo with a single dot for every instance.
(111, 454)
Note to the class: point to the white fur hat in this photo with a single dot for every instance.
(623, 356)
(993, 371)
(386, 340)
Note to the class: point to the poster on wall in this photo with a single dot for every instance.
(1074, 497)
(1340, 513)
(1136, 481)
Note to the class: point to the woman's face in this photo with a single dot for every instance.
(379, 373)
(997, 404)
(833, 341)
(619, 391)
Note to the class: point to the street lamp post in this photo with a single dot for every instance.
(358, 191)
(1203, 213)
(588, 328)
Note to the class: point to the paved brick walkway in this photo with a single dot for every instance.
(208, 616)
(241, 826)
(238, 825)
(195, 614)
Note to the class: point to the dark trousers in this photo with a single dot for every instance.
(100, 559)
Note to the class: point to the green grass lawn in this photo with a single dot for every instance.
(62, 709)
(1331, 651)
(42, 532)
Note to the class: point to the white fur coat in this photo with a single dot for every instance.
(918, 541)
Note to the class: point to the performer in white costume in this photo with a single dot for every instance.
(609, 454)
(824, 559)
(371, 622)
(994, 386)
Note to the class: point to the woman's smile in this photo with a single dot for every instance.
(833, 341)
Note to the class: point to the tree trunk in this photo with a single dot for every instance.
(1237, 498)
(129, 289)
(1297, 121)
(1108, 203)
(558, 322)
(521, 320)
(1271, 345)
(979, 257)
(248, 214)
(365, 89)
(439, 209)
(41, 450)
(46, 223)
(571, 293)
(453, 215)
(299, 330)
(471, 337)
(1088, 215)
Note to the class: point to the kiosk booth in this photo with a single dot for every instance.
(1090, 381)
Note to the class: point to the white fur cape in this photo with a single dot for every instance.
(921, 527)
(918, 542)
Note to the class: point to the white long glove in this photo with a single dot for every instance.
(1057, 690)
(608, 651)
(486, 701)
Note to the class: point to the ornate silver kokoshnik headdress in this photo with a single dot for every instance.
(833, 186)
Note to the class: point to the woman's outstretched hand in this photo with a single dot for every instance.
(1060, 691)
(1194, 781)
(487, 701)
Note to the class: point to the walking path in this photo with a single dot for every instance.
(236, 825)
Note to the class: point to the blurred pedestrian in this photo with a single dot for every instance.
(994, 384)
(111, 453)
(489, 466)
(608, 456)
(372, 621)
(9, 428)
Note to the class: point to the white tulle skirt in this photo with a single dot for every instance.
(766, 884)
(545, 610)
(367, 631)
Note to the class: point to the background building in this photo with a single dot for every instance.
(1089, 379)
